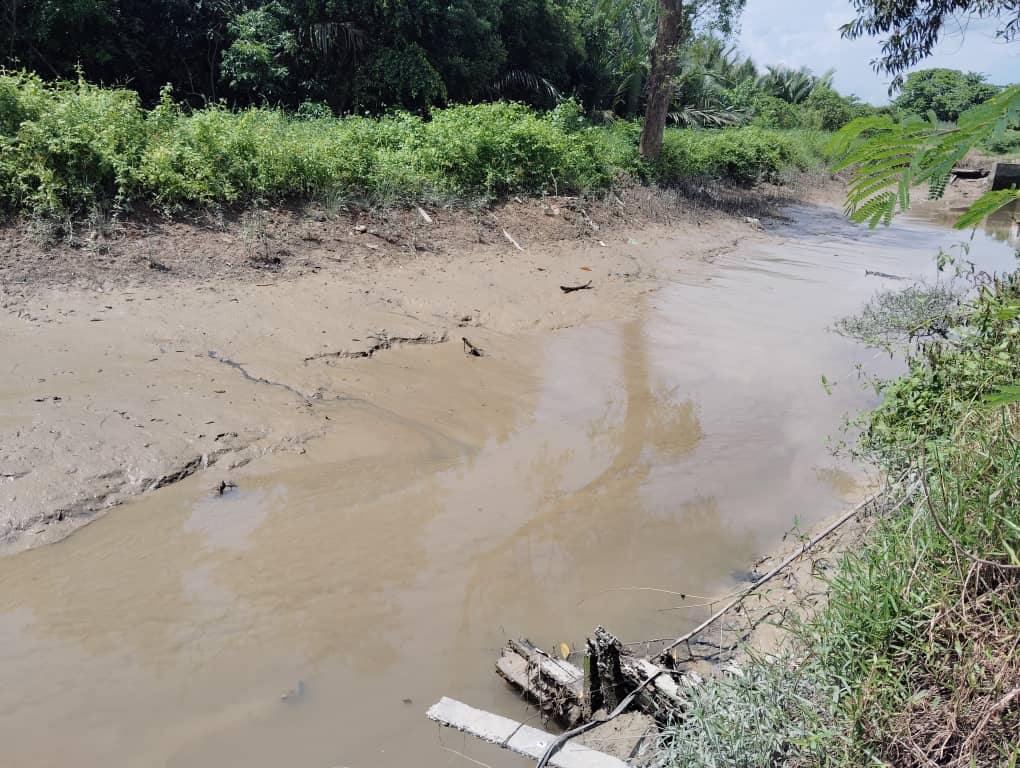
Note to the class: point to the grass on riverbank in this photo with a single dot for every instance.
(914, 661)
(69, 148)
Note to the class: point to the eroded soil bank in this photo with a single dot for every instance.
(398, 515)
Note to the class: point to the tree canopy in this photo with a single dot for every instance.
(946, 92)
(352, 54)
(323, 57)
(912, 28)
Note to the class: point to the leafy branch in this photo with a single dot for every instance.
(890, 157)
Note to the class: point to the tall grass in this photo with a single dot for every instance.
(67, 148)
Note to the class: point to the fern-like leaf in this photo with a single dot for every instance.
(985, 205)
(890, 158)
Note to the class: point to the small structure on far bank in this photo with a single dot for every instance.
(1005, 175)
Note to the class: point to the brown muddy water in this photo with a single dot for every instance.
(311, 616)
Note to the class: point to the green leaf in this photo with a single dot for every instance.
(1009, 311)
(1003, 396)
(985, 205)
(889, 158)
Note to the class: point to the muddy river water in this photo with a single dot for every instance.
(309, 617)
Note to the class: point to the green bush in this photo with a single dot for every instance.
(810, 148)
(1007, 144)
(70, 147)
(67, 147)
(496, 149)
(399, 77)
(743, 155)
(827, 110)
(773, 112)
(946, 92)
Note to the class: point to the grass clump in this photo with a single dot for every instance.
(915, 312)
(915, 660)
(68, 148)
(760, 716)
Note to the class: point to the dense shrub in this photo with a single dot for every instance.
(827, 110)
(773, 112)
(399, 77)
(1006, 144)
(743, 155)
(500, 148)
(70, 147)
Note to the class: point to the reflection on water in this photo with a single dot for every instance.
(1003, 225)
(309, 617)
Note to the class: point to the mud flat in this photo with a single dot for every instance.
(139, 353)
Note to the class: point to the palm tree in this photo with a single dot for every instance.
(622, 35)
(706, 70)
(792, 85)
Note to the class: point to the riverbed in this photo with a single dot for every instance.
(443, 503)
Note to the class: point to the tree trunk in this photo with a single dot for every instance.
(660, 90)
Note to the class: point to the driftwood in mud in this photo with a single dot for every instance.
(572, 288)
(517, 737)
(510, 237)
(614, 673)
(554, 685)
(470, 349)
(568, 694)
(969, 173)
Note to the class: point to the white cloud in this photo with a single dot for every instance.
(806, 33)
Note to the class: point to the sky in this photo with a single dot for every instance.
(806, 33)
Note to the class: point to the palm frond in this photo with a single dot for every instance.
(328, 37)
(524, 80)
(691, 117)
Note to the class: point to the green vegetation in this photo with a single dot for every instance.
(888, 157)
(946, 92)
(66, 148)
(1006, 145)
(912, 28)
(355, 55)
(365, 56)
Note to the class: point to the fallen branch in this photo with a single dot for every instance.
(470, 349)
(510, 237)
(556, 686)
(572, 288)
